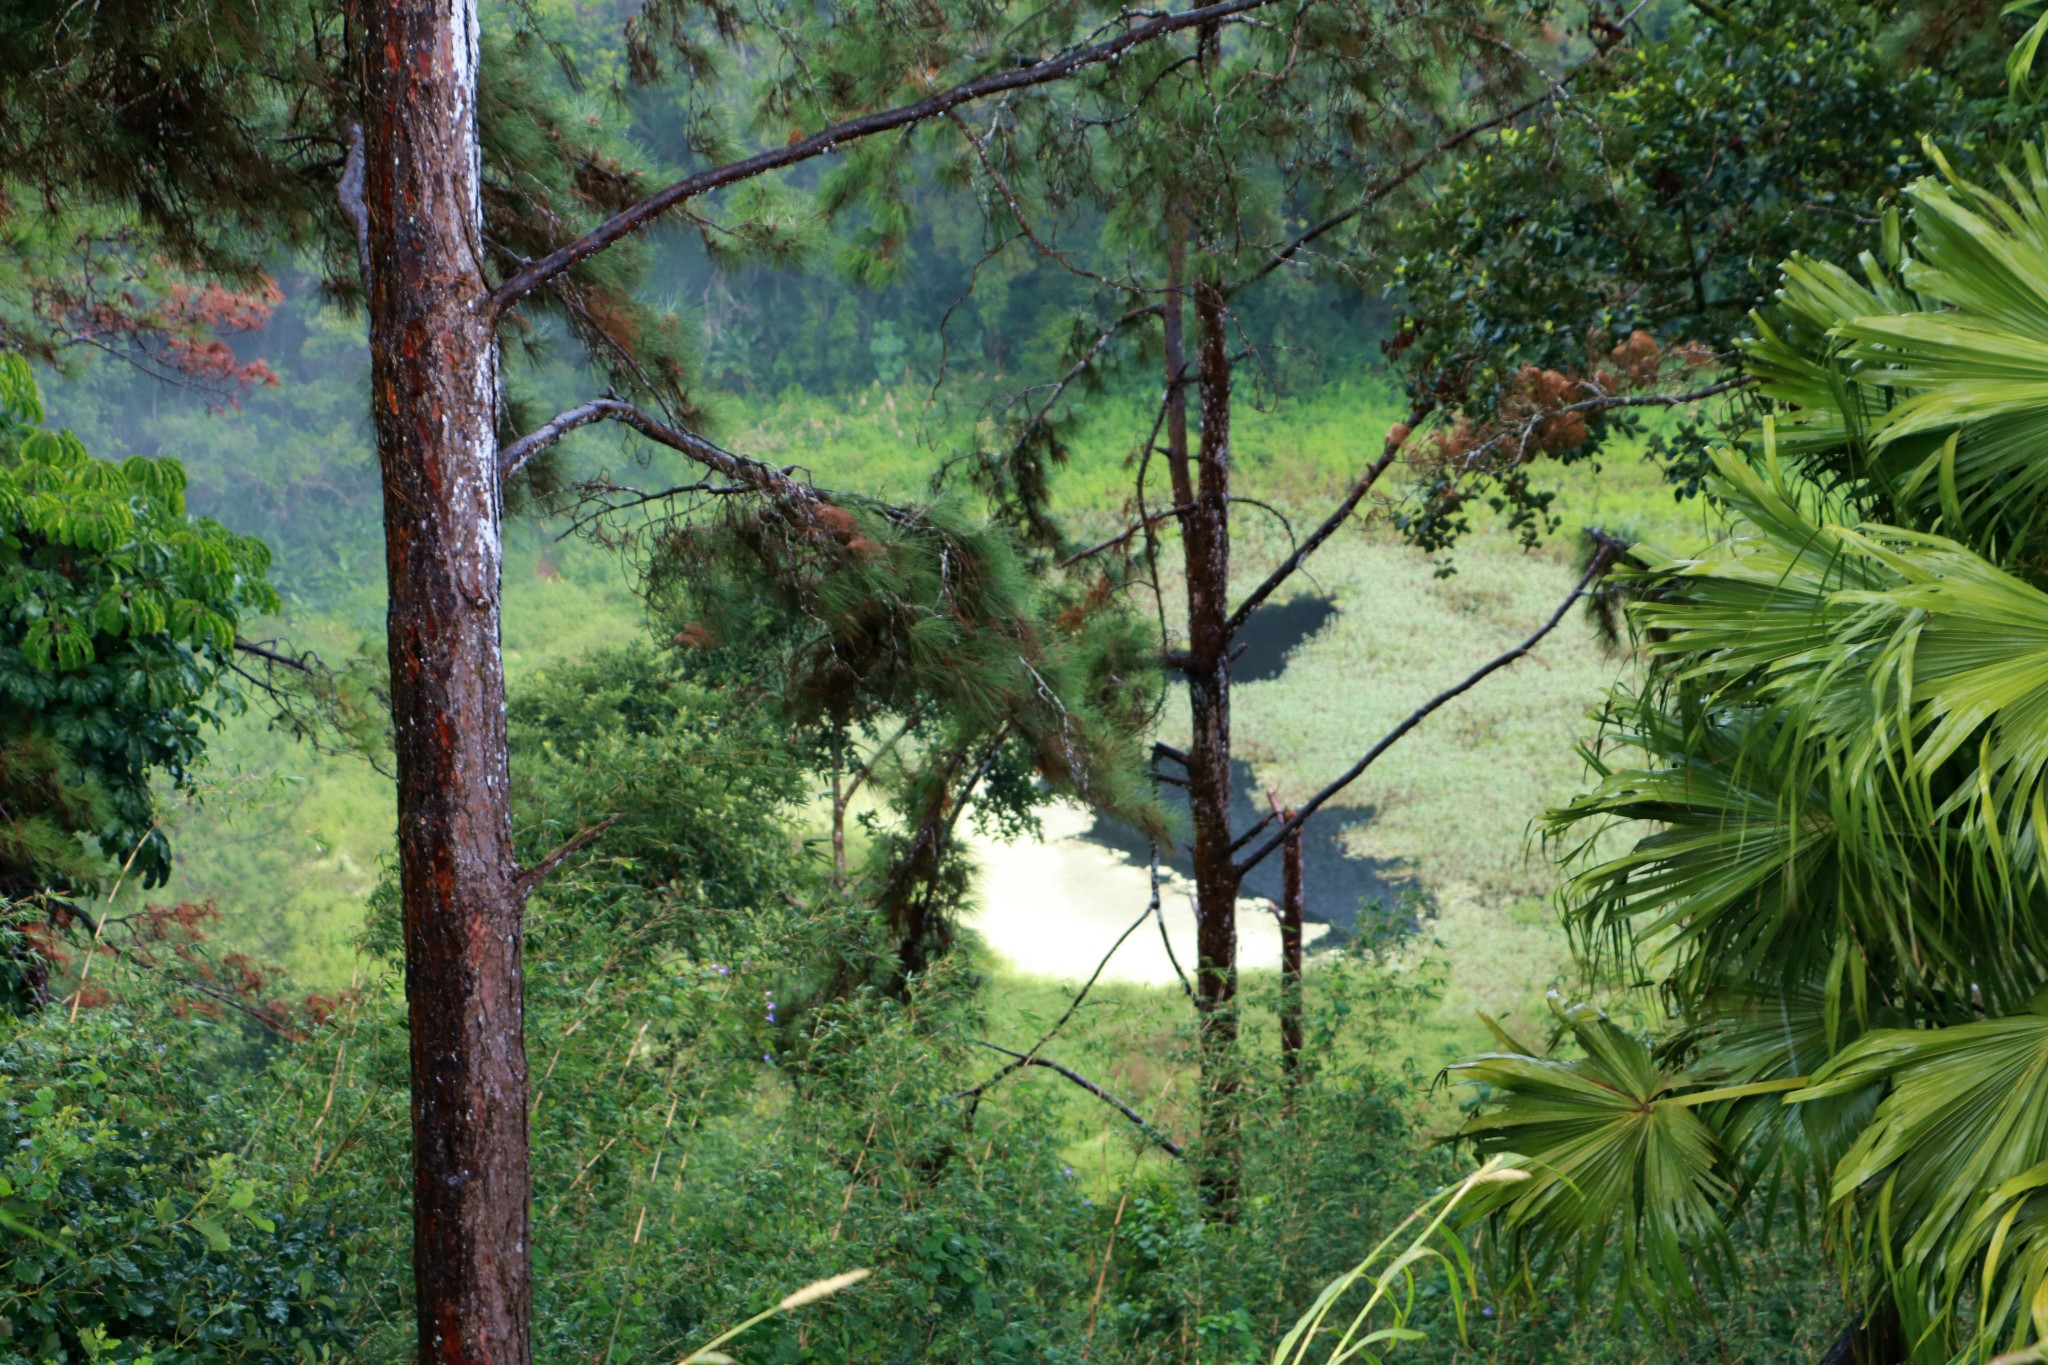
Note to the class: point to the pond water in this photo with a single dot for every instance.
(1054, 905)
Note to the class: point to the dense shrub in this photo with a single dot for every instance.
(136, 1223)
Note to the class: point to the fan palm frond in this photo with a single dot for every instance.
(1615, 1153)
(1947, 1177)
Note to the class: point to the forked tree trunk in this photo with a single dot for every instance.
(1205, 536)
(434, 380)
(1293, 899)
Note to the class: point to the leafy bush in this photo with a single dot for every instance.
(118, 615)
(138, 1227)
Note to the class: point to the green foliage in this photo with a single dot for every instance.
(1659, 197)
(164, 110)
(1842, 741)
(1382, 1320)
(1614, 1151)
(864, 617)
(118, 615)
(137, 1227)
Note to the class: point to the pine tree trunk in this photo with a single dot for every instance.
(1292, 901)
(434, 380)
(1205, 536)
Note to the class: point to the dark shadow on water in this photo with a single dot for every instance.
(1335, 886)
(1274, 630)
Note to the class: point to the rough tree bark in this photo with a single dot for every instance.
(434, 383)
(1205, 538)
(1292, 902)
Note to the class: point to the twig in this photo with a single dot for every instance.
(1145, 1125)
(1102, 1275)
(974, 1096)
(1159, 914)
(593, 493)
(1142, 524)
(1609, 550)
(79, 995)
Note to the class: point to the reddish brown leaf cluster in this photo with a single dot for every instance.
(1099, 592)
(167, 940)
(839, 525)
(177, 329)
(1550, 411)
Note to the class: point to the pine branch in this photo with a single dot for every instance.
(1608, 550)
(532, 277)
(1409, 169)
(762, 478)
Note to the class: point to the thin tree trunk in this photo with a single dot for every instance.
(434, 379)
(1292, 899)
(838, 811)
(1174, 315)
(1206, 540)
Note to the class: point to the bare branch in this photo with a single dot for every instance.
(298, 664)
(1329, 527)
(1024, 1059)
(532, 277)
(350, 190)
(1142, 524)
(762, 478)
(1145, 1125)
(523, 884)
(1607, 551)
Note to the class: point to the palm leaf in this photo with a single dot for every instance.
(1616, 1155)
(1955, 1145)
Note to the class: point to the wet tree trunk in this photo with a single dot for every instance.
(1292, 901)
(1206, 541)
(434, 381)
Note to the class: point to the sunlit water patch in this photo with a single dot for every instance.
(1054, 905)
